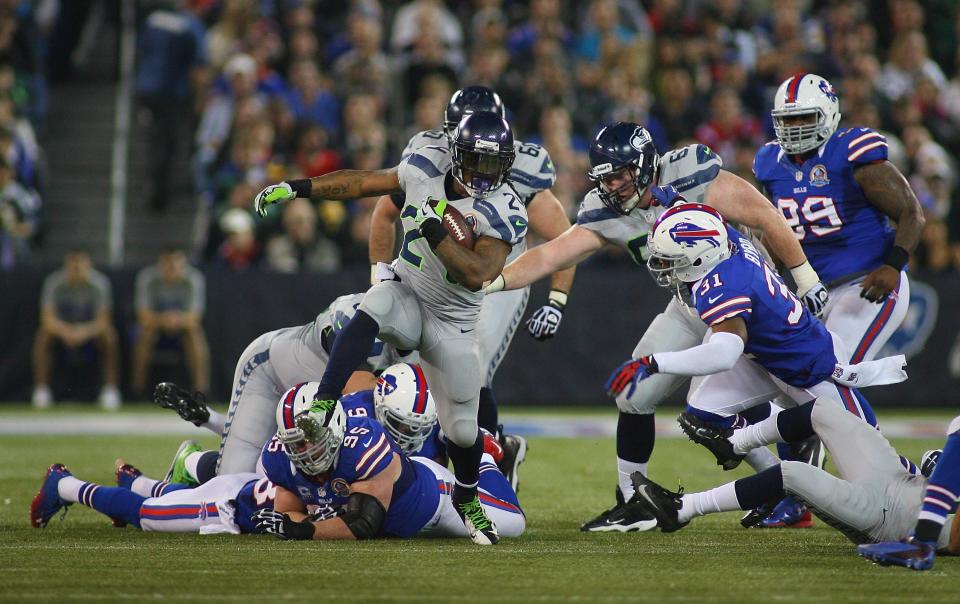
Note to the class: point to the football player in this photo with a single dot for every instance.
(875, 498)
(838, 192)
(266, 368)
(531, 176)
(621, 210)
(763, 342)
(939, 500)
(343, 477)
(429, 298)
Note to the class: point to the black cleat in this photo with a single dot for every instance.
(713, 438)
(757, 515)
(622, 518)
(663, 504)
(190, 407)
(514, 452)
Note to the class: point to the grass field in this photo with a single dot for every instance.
(564, 482)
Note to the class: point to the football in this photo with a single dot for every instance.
(457, 227)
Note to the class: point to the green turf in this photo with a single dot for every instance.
(564, 483)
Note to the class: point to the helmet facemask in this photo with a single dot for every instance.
(310, 445)
(606, 178)
(802, 137)
(481, 168)
(409, 430)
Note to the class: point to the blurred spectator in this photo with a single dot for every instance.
(543, 22)
(675, 107)
(364, 68)
(228, 36)
(20, 210)
(310, 97)
(427, 18)
(241, 249)
(728, 127)
(428, 60)
(569, 155)
(170, 301)
(170, 53)
(75, 319)
(301, 247)
(313, 157)
(908, 64)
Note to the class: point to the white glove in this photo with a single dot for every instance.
(544, 322)
(272, 194)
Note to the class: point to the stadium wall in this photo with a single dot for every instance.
(608, 310)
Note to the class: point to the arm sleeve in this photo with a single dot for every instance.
(718, 353)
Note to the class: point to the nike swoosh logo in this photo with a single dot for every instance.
(462, 330)
(712, 300)
(369, 440)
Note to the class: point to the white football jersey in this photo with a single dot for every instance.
(500, 214)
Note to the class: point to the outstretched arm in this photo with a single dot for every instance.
(342, 184)
(572, 247)
(888, 191)
(549, 221)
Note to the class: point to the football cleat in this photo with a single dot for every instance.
(178, 467)
(492, 446)
(622, 518)
(913, 554)
(125, 474)
(47, 501)
(715, 439)
(663, 504)
(190, 407)
(756, 515)
(514, 452)
(789, 513)
(810, 451)
(481, 529)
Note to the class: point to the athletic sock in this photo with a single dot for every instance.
(756, 435)
(636, 435)
(940, 498)
(207, 466)
(466, 468)
(763, 487)
(216, 423)
(191, 462)
(761, 458)
(149, 487)
(115, 502)
(349, 351)
(719, 499)
(487, 415)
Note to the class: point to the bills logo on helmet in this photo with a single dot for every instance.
(386, 384)
(688, 234)
(828, 90)
(639, 139)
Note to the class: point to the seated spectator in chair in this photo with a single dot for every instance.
(301, 247)
(170, 300)
(75, 309)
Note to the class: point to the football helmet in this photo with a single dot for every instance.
(623, 165)
(311, 430)
(482, 152)
(465, 101)
(404, 405)
(688, 240)
(805, 95)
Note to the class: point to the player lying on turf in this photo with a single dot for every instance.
(266, 368)
(629, 174)
(323, 460)
(874, 499)
(939, 500)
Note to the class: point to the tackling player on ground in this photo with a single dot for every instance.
(429, 298)
(621, 210)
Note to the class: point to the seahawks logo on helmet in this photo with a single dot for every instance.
(688, 234)
(639, 139)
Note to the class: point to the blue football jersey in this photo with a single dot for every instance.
(254, 496)
(841, 233)
(783, 337)
(360, 404)
(366, 451)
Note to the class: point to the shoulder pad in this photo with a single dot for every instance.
(860, 145)
(424, 139)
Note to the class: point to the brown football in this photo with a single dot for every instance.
(457, 227)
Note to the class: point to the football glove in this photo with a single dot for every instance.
(816, 298)
(281, 526)
(630, 374)
(272, 194)
(929, 461)
(427, 213)
(544, 322)
(666, 196)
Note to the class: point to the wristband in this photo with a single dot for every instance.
(373, 274)
(652, 366)
(495, 285)
(557, 299)
(301, 187)
(433, 232)
(804, 276)
(897, 258)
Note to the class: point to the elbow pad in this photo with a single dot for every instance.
(364, 516)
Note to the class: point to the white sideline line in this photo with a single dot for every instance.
(555, 426)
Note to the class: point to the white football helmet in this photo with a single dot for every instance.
(405, 406)
(688, 240)
(805, 95)
(311, 430)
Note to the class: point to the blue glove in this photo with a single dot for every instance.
(666, 196)
(630, 374)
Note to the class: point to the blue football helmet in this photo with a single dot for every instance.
(470, 100)
(623, 165)
(482, 152)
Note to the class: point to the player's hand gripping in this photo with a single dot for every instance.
(666, 196)
(880, 283)
(272, 194)
(281, 526)
(816, 298)
(630, 374)
(427, 213)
